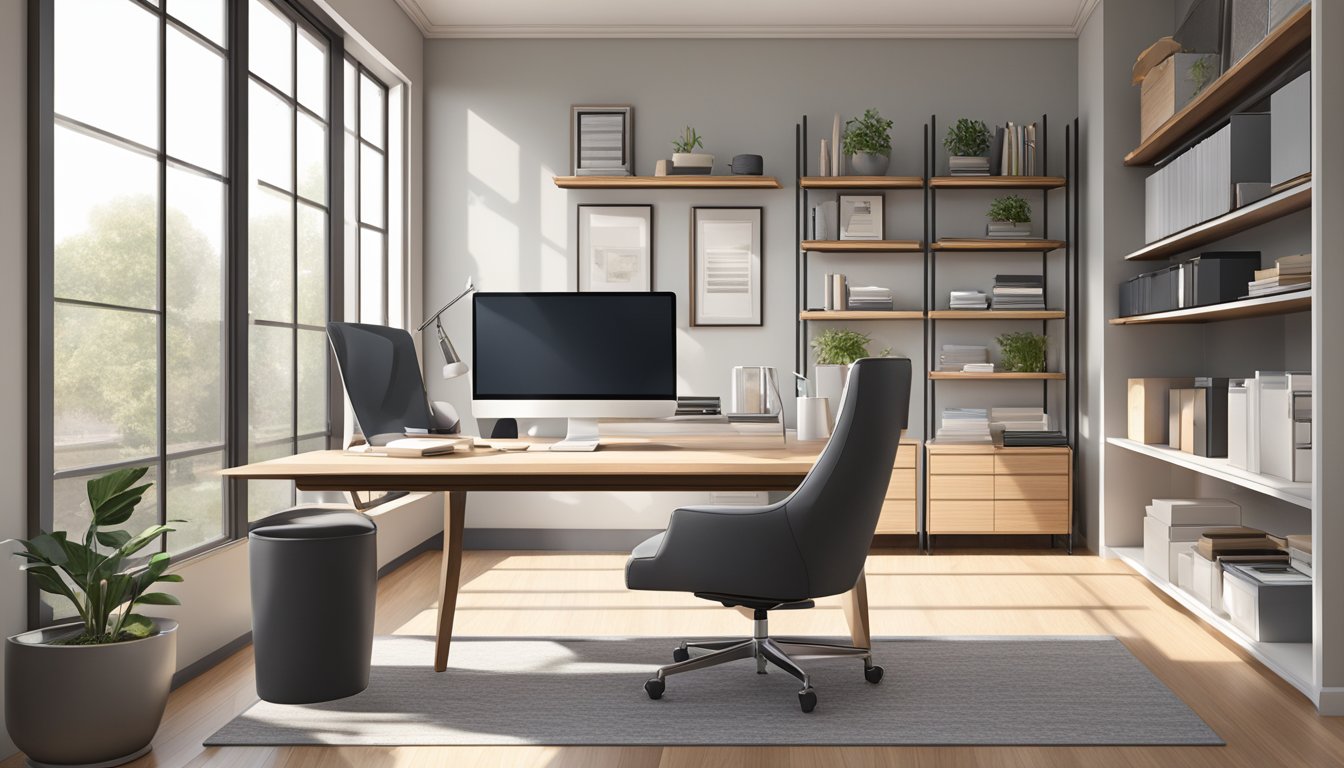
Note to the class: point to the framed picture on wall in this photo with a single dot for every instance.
(602, 140)
(860, 217)
(726, 266)
(615, 247)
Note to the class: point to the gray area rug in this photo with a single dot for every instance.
(937, 691)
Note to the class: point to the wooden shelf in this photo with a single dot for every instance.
(864, 246)
(863, 182)
(1291, 661)
(667, 182)
(997, 376)
(1278, 304)
(996, 314)
(1277, 205)
(996, 182)
(998, 246)
(1286, 490)
(852, 314)
(1226, 92)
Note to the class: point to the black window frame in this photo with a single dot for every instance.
(42, 120)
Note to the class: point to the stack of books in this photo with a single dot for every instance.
(836, 295)
(869, 297)
(968, 300)
(1289, 273)
(1018, 438)
(964, 425)
(1019, 292)
(694, 405)
(978, 368)
(1299, 552)
(1269, 573)
(1220, 543)
(1007, 230)
(955, 357)
(968, 166)
(1028, 419)
(1013, 150)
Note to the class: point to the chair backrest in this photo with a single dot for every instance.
(834, 512)
(381, 374)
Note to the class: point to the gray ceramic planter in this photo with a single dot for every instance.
(87, 705)
(869, 164)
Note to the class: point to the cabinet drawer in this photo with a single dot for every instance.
(907, 456)
(1031, 517)
(902, 485)
(897, 517)
(961, 517)
(961, 487)
(1048, 464)
(1031, 486)
(955, 464)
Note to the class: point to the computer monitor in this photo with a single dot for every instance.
(580, 356)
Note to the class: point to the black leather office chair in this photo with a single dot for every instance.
(782, 556)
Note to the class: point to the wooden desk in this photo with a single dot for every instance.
(620, 465)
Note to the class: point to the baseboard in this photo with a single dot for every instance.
(1330, 701)
(555, 539)
(201, 665)
(433, 543)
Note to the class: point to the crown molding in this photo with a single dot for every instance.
(743, 32)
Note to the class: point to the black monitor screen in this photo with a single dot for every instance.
(574, 346)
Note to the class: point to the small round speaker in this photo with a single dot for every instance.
(746, 165)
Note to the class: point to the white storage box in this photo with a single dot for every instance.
(1269, 613)
(1185, 568)
(1279, 431)
(1162, 544)
(1211, 512)
(1206, 582)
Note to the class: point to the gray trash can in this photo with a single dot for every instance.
(314, 580)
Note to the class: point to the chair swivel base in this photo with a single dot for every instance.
(763, 649)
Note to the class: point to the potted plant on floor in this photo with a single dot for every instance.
(92, 692)
(966, 143)
(684, 155)
(1009, 218)
(867, 142)
(836, 350)
(1022, 352)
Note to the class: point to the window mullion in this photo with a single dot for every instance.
(236, 302)
(161, 224)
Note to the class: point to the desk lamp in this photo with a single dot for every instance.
(453, 366)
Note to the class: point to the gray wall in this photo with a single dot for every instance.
(497, 112)
(13, 318)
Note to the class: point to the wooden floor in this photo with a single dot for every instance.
(1264, 721)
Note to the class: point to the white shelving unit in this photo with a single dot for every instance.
(1291, 661)
(1287, 490)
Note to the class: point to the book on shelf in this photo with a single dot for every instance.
(869, 298)
(968, 166)
(1289, 273)
(955, 357)
(836, 292)
(1237, 540)
(1025, 292)
(967, 300)
(977, 368)
(1013, 150)
(964, 425)
(1020, 438)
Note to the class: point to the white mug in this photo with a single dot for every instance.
(814, 418)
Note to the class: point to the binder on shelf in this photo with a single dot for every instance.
(1213, 413)
(1285, 425)
(1237, 443)
(1148, 408)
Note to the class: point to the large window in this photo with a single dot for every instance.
(183, 251)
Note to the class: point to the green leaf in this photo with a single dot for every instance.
(119, 508)
(113, 539)
(169, 578)
(48, 547)
(157, 565)
(157, 598)
(137, 626)
(137, 543)
(79, 560)
(101, 489)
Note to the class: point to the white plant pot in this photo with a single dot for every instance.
(831, 380)
(692, 160)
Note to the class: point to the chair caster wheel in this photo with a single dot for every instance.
(680, 654)
(807, 700)
(873, 674)
(654, 687)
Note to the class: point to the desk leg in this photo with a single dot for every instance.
(856, 613)
(454, 515)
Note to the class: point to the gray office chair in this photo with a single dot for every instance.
(783, 556)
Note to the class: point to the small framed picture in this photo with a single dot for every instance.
(861, 217)
(615, 247)
(726, 266)
(602, 140)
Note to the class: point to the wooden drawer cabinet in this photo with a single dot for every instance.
(899, 511)
(898, 516)
(991, 489)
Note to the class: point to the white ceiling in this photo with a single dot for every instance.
(748, 18)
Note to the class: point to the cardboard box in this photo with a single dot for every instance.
(1171, 85)
(1148, 403)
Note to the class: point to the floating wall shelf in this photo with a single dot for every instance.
(1277, 205)
(1279, 304)
(667, 182)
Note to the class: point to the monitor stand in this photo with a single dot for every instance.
(581, 435)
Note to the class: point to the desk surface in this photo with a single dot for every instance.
(619, 464)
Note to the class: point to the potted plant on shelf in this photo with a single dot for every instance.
(836, 351)
(1009, 218)
(684, 155)
(867, 142)
(966, 143)
(1023, 352)
(93, 691)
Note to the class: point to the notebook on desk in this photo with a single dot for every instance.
(417, 447)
